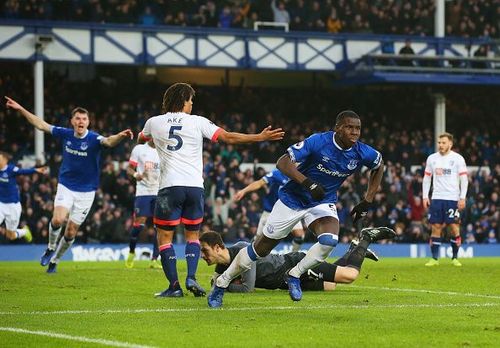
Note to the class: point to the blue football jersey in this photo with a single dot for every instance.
(81, 164)
(274, 180)
(325, 162)
(9, 192)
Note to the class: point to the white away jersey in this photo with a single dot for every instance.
(178, 138)
(445, 171)
(146, 160)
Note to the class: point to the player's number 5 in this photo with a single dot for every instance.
(172, 135)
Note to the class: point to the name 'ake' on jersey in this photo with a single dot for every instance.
(178, 138)
(81, 164)
(274, 180)
(325, 162)
(147, 162)
(9, 191)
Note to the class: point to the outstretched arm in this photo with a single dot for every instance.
(254, 186)
(32, 118)
(240, 138)
(287, 167)
(114, 140)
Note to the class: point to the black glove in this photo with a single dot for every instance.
(360, 210)
(317, 191)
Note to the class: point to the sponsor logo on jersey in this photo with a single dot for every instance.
(443, 171)
(352, 164)
(331, 172)
(75, 152)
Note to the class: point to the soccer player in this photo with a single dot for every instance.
(326, 160)
(273, 181)
(269, 272)
(178, 137)
(450, 182)
(144, 167)
(78, 176)
(10, 206)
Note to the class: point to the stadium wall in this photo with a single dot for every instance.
(118, 252)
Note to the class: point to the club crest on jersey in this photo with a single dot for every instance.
(352, 164)
(68, 143)
(84, 146)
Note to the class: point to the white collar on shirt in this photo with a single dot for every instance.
(83, 136)
(337, 145)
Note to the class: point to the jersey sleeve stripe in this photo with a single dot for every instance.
(428, 173)
(133, 163)
(216, 135)
(142, 136)
(462, 173)
(161, 222)
(191, 222)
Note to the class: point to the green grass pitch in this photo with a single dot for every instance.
(394, 303)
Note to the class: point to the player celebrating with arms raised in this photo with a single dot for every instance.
(10, 206)
(326, 160)
(450, 183)
(178, 137)
(78, 176)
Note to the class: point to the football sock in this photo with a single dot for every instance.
(169, 264)
(134, 236)
(242, 262)
(20, 233)
(64, 244)
(455, 245)
(156, 251)
(316, 254)
(357, 256)
(192, 253)
(435, 244)
(53, 234)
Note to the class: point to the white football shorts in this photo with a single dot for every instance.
(77, 203)
(282, 219)
(11, 214)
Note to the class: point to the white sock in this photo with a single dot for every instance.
(314, 256)
(61, 249)
(53, 234)
(20, 233)
(241, 263)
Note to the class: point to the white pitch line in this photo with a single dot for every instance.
(74, 338)
(244, 309)
(438, 292)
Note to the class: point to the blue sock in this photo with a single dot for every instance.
(192, 257)
(156, 251)
(134, 234)
(455, 245)
(169, 265)
(435, 244)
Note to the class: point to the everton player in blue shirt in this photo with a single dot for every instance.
(10, 206)
(78, 176)
(326, 160)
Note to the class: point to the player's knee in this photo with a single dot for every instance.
(57, 221)
(351, 274)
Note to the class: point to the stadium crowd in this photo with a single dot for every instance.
(401, 131)
(466, 18)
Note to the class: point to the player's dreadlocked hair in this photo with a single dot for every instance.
(212, 238)
(175, 96)
(345, 114)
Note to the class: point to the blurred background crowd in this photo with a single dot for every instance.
(402, 131)
(466, 18)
